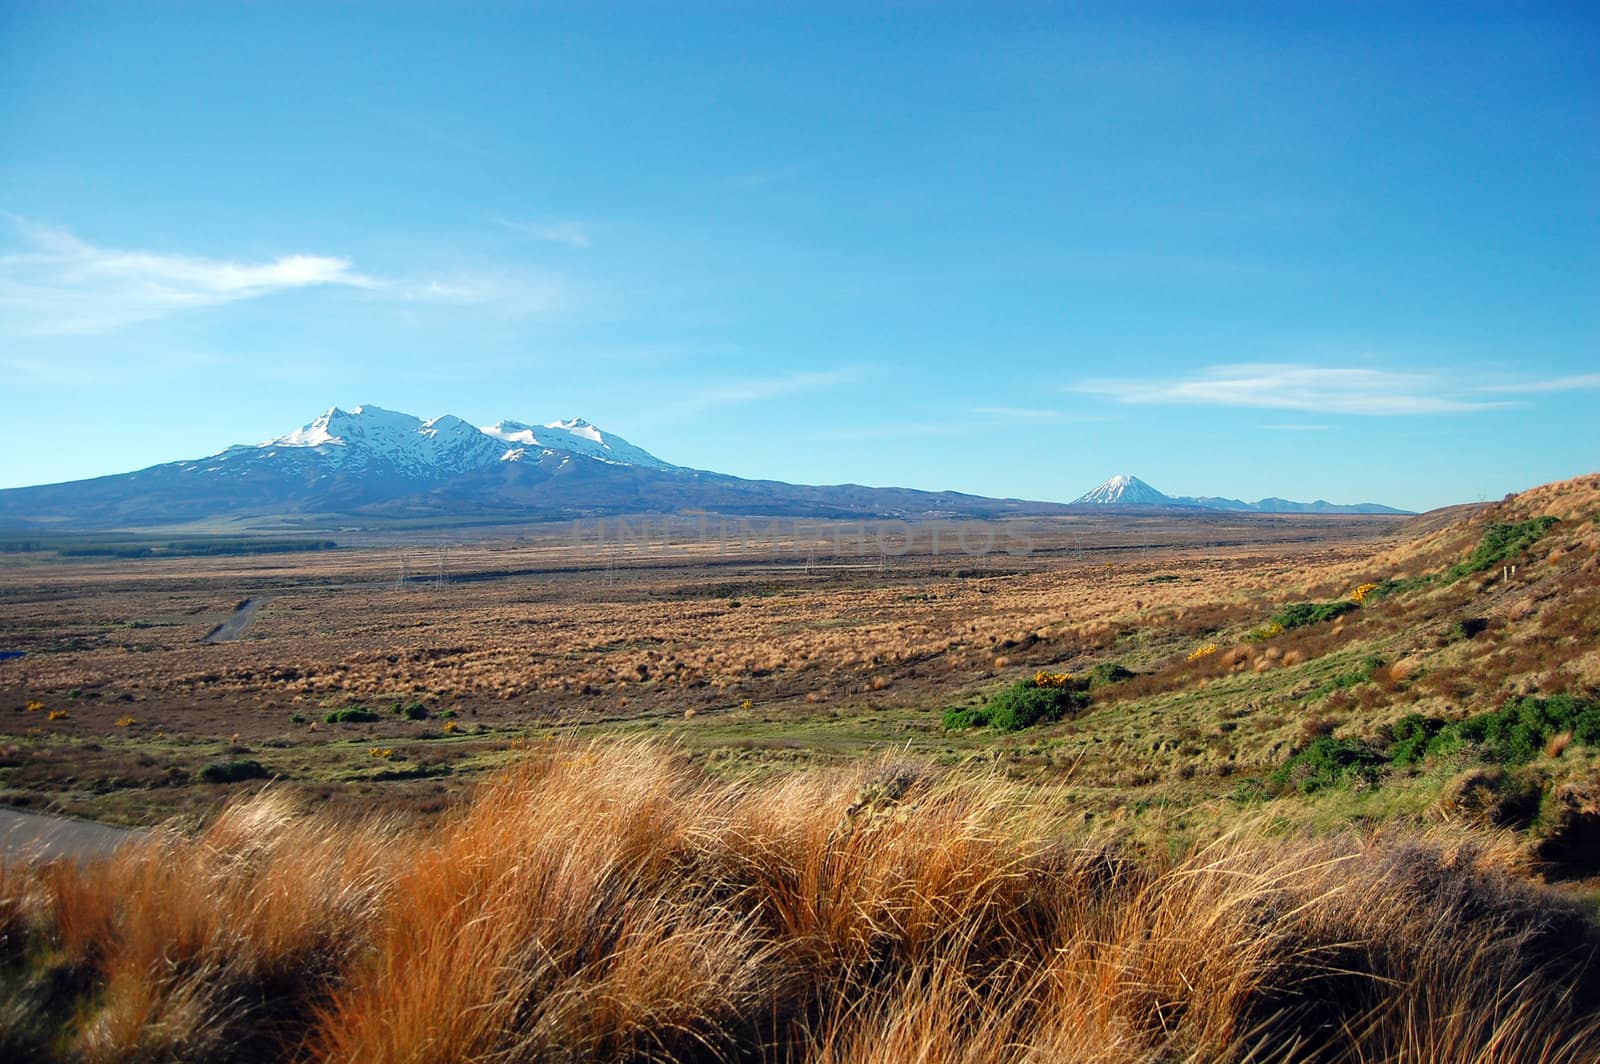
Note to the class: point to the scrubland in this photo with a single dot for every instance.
(1286, 790)
(607, 901)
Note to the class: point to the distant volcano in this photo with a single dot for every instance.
(1125, 489)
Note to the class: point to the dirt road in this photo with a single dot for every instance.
(234, 626)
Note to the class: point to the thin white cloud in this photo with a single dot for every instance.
(59, 283)
(1295, 386)
(55, 282)
(571, 233)
(1574, 383)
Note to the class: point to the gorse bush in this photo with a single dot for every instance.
(1514, 734)
(1302, 614)
(1517, 732)
(1022, 705)
(610, 904)
(1410, 736)
(351, 715)
(1329, 762)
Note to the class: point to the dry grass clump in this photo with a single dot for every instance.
(609, 903)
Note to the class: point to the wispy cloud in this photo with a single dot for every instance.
(1576, 382)
(55, 282)
(1296, 386)
(58, 283)
(573, 234)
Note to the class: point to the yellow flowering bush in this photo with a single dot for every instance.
(383, 752)
(1200, 652)
(34, 707)
(58, 714)
(449, 727)
(1359, 595)
(1051, 679)
(126, 722)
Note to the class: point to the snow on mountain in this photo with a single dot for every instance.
(371, 440)
(576, 436)
(1125, 489)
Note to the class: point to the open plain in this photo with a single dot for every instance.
(751, 641)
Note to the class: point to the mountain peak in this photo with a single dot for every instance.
(1125, 489)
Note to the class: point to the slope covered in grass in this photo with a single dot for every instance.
(608, 902)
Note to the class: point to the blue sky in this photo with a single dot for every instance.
(1351, 254)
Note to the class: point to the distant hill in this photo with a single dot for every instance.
(1126, 490)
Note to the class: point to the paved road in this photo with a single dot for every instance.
(50, 837)
(234, 626)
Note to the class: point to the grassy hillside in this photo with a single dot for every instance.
(608, 902)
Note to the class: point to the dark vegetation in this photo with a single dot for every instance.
(351, 715)
(125, 546)
(233, 771)
(1512, 735)
(1302, 614)
(1022, 705)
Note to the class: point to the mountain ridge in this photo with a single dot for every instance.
(1126, 490)
(370, 464)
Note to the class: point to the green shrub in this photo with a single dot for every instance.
(1022, 705)
(1501, 542)
(958, 719)
(1025, 704)
(1301, 614)
(414, 711)
(1329, 762)
(1515, 733)
(297, 718)
(1108, 672)
(232, 771)
(351, 715)
(1410, 736)
(1394, 586)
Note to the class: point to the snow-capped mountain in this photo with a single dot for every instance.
(1124, 489)
(576, 436)
(370, 437)
(368, 464)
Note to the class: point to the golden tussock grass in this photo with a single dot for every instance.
(609, 903)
